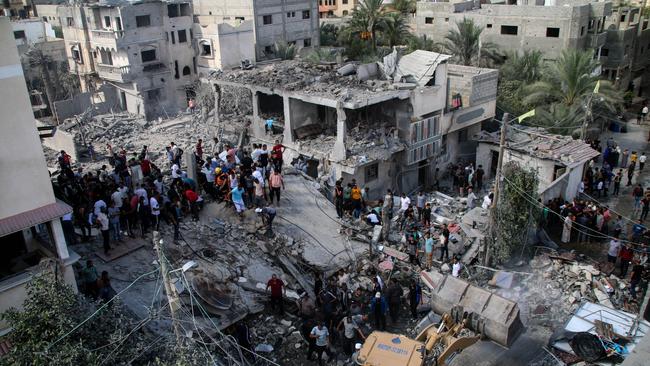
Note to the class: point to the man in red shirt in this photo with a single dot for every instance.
(277, 289)
(276, 155)
(626, 254)
(192, 199)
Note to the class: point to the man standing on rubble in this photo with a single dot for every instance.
(419, 204)
(379, 307)
(277, 290)
(322, 337)
(355, 195)
(276, 155)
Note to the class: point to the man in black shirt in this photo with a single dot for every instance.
(637, 272)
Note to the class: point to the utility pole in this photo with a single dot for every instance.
(491, 240)
(585, 121)
(172, 298)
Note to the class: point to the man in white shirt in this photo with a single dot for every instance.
(404, 202)
(612, 252)
(644, 113)
(642, 160)
(471, 197)
(155, 210)
(176, 173)
(117, 197)
(373, 219)
(487, 201)
(141, 192)
(456, 267)
(99, 204)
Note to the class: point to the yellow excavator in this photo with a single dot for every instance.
(437, 344)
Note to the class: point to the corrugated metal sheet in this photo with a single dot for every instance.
(419, 65)
(30, 218)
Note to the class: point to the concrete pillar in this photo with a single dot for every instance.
(339, 152)
(190, 163)
(288, 128)
(217, 103)
(257, 124)
(59, 239)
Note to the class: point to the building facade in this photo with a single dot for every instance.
(143, 53)
(336, 8)
(626, 52)
(291, 21)
(30, 225)
(547, 26)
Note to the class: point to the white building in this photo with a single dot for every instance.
(559, 160)
(30, 227)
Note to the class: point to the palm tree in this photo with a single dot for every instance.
(570, 80)
(395, 31)
(423, 43)
(39, 60)
(568, 91)
(526, 67)
(404, 6)
(557, 118)
(284, 50)
(465, 44)
(369, 17)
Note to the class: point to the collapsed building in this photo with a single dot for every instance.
(400, 119)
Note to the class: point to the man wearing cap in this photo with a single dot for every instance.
(379, 307)
(267, 214)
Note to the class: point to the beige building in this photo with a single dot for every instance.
(30, 226)
(550, 26)
(272, 21)
(336, 8)
(143, 53)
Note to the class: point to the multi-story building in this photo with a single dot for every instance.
(626, 53)
(17, 8)
(291, 21)
(30, 226)
(336, 8)
(383, 133)
(550, 26)
(142, 51)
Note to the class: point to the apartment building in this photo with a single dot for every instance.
(336, 8)
(550, 26)
(626, 53)
(30, 226)
(291, 21)
(142, 52)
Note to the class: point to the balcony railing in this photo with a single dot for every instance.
(115, 73)
(107, 34)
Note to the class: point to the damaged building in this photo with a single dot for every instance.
(140, 51)
(388, 124)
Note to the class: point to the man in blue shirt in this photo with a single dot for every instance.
(237, 195)
(637, 231)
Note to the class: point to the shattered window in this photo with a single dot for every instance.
(372, 172)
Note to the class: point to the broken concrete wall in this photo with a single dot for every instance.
(304, 114)
(78, 104)
(62, 140)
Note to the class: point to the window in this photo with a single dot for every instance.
(148, 55)
(509, 30)
(345, 13)
(76, 54)
(306, 42)
(582, 31)
(173, 35)
(172, 10)
(553, 32)
(267, 19)
(291, 14)
(428, 20)
(176, 74)
(489, 26)
(372, 172)
(205, 48)
(345, 2)
(153, 95)
(446, 19)
(623, 18)
(20, 34)
(182, 36)
(241, 19)
(186, 71)
(107, 22)
(70, 21)
(591, 24)
(268, 50)
(604, 52)
(185, 10)
(306, 14)
(142, 21)
(118, 23)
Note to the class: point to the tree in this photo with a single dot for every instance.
(571, 81)
(465, 44)
(423, 43)
(515, 210)
(558, 118)
(405, 6)
(509, 97)
(51, 311)
(40, 61)
(395, 31)
(368, 17)
(329, 34)
(285, 51)
(525, 67)
(318, 55)
(68, 83)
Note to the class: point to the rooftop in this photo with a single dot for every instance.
(543, 145)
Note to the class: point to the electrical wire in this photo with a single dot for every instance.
(98, 310)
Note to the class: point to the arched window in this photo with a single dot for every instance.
(186, 70)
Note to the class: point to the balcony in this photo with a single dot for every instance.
(596, 40)
(107, 38)
(154, 67)
(120, 74)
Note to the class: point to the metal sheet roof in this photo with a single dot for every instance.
(419, 65)
(33, 217)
